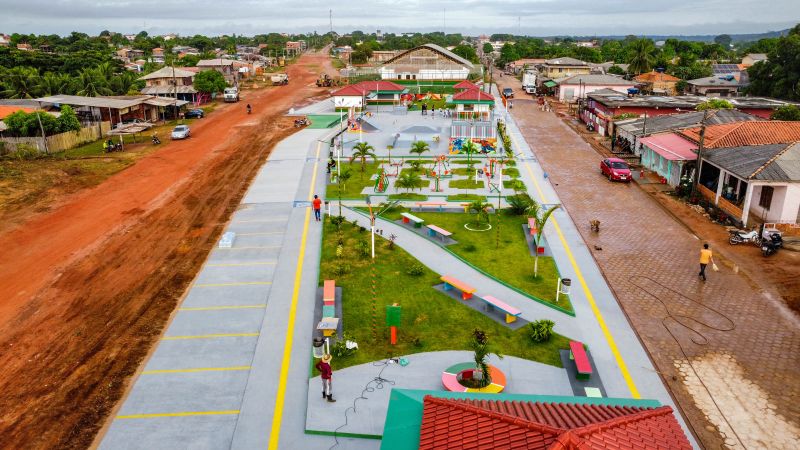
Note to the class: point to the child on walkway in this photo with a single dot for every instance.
(326, 373)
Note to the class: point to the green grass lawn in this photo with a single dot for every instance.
(408, 196)
(517, 185)
(513, 172)
(431, 321)
(465, 184)
(357, 182)
(510, 262)
(465, 198)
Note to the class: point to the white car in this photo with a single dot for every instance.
(180, 132)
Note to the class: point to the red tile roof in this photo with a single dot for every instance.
(493, 424)
(746, 133)
(654, 76)
(465, 85)
(473, 95)
(365, 87)
(10, 109)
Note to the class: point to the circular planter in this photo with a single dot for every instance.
(452, 375)
(466, 225)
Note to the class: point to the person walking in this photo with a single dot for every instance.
(317, 206)
(326, 373)
(424, 109)
(706, 256)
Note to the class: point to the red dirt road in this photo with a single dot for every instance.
(86, 288)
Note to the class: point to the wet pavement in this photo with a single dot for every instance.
(651, 263)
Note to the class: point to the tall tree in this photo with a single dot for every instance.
(55, 83)
(641, 59)
(779, 76)
(540, 216)
(20, 82)
(362, 151)
(419, 147)
(209, 81)
(91, 83)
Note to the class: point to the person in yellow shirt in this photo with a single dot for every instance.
(706, 257)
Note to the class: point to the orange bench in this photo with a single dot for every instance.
(582, 364)
(450, 283)
(440, 205)
(329, 293)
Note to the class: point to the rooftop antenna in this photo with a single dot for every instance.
(330, 19)
(519, 25)
(444, 19)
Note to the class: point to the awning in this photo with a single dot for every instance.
(671, 146)
(550, 84)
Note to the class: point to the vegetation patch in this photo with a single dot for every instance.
(465, 198)
(465, 184)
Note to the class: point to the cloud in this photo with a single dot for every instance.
(534, 17)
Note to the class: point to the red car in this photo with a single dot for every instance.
(615, 169)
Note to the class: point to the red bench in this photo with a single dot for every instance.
(532, 225)
(582, 364)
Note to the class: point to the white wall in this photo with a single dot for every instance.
(443, 74)
(785, 203)
(347, 101)
(582, 90)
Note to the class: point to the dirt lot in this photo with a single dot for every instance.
(87, 287)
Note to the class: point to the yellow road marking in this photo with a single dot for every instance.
(200, 369)
(208, 336)
(262, 263)
(217, 308)
(179, 414)
(241, 283)
(249, 248)
(277, 416)
(623, 368)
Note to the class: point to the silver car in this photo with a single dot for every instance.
(180, 132)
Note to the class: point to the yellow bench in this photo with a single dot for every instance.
(450, 283)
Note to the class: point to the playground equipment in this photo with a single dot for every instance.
(382, 182)
(494, 175)
(441, 169)
(325, 81)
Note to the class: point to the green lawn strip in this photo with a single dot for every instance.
(475, 160)
(514, 184)
(511, 262)
(431, 321)
(408, 196)
(465, 198)
(357, 182)
(465, 184)
(513, 172)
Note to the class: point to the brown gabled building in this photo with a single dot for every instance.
(658, 83)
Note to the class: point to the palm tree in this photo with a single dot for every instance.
(408, 180)
(20, 82)
(540, 217)
(91, 83)
(469, 148)
(122, 84)
(482, 349)
(55, 83)
(362, 151)
(641, 56)
(419, 147)
(481, 210)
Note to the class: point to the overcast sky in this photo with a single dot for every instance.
(472, 17)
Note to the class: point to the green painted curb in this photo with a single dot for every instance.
(350, 435)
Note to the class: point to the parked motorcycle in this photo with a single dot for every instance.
(156, 140)
(771, 245)
(298, 123)
(740, 236)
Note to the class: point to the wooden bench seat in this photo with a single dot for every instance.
(408, 218)
(329, 292)
(450, 283)
(433, 230)
(582, 364)
(511, 312)
(439, 205)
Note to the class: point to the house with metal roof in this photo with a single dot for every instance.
(115, 109)
(579, 86)
(714, 86)
(752, 58)
(367, 93)
(427, 62)
(558, 68)
(444, 420)
(754, 180)
(170, 82)
(657, 83)
(473, 120)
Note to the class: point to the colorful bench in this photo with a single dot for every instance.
(329, 292)
(440, 205)
(532, 225)
(450, 283)
(407, 218)
(433, 230)
(328, 326)
(582, 364)
(511, 312)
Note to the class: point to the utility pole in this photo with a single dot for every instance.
(444, 18)
(330, 19)
(699, 152)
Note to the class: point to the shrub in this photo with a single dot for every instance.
(541, 330)
(518, 204)
(341, 269)
(354, 222)
(337, 220)
(363, 249)
(340, 348)
(339, 250)
(416, 270)
(470, 247)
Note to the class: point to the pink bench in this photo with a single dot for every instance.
(582, 363)
(511, 312)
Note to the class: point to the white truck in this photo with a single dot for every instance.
(279, 79)
(231, 94)
(529, 81)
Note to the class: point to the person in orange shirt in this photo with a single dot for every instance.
(706, 256)
(317, 206)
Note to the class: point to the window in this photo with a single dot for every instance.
(765, 201)
(399, 77)
(560, 70)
